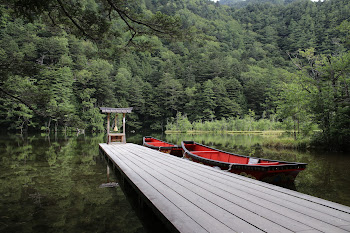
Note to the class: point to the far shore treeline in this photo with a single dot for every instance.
(257, 65)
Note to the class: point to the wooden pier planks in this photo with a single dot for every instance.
(197, 198)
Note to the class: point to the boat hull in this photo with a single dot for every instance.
(268, 176)
(270, 171)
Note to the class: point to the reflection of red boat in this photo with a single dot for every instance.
(270, 171)
(162, 146)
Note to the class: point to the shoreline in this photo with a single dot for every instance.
(267, 132)
(275, 142)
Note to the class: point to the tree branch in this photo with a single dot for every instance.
(52, 20)
(125, 17)
(297, 65)
(123, 13)
(23, 102)
(73, 21)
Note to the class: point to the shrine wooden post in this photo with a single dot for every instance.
(115, 136)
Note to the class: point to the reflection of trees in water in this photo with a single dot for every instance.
(327, 176)
(52, 184)
(36, 197)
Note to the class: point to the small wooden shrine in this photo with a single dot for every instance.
(114, 136)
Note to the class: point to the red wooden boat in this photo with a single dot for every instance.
(270, 171)
(162, 146)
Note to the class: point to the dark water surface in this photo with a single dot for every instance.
(51, 184)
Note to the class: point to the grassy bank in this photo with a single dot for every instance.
(248, 125)
(287, 143)
(271, 139)
(234, 124)
(267, 132)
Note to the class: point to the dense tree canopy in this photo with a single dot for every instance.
(287, 60)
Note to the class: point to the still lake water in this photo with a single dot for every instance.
(51, 184)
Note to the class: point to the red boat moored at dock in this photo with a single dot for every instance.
(270, 171)
(162, 146)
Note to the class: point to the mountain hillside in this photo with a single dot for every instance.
(197, 59)
(244, 3)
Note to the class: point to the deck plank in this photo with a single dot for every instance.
(347, 228)
(180, 219)
(276, 213)
(222, 200)
(195, 213)
(280, 195)
(212, 217)
(198, 198)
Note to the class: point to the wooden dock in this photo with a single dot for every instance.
(191, 197)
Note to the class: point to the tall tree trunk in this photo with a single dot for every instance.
(295, 130)
(48, 125)
(298, 127)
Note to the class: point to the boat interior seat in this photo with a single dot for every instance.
(159, 144)
(253, 161)
(217, 155)
(266, 164)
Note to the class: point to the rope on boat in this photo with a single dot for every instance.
(184, 156)
(229, 168)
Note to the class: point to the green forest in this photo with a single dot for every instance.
(280, 64)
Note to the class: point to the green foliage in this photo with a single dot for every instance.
(60, 62)
(91, 117)
(247, 123)
(181, 123)
(16, 114)
(57, 93)
(287, 143)
(324, 80)
(293, 105)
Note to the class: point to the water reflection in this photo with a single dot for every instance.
(109, 184)
(51, 184)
